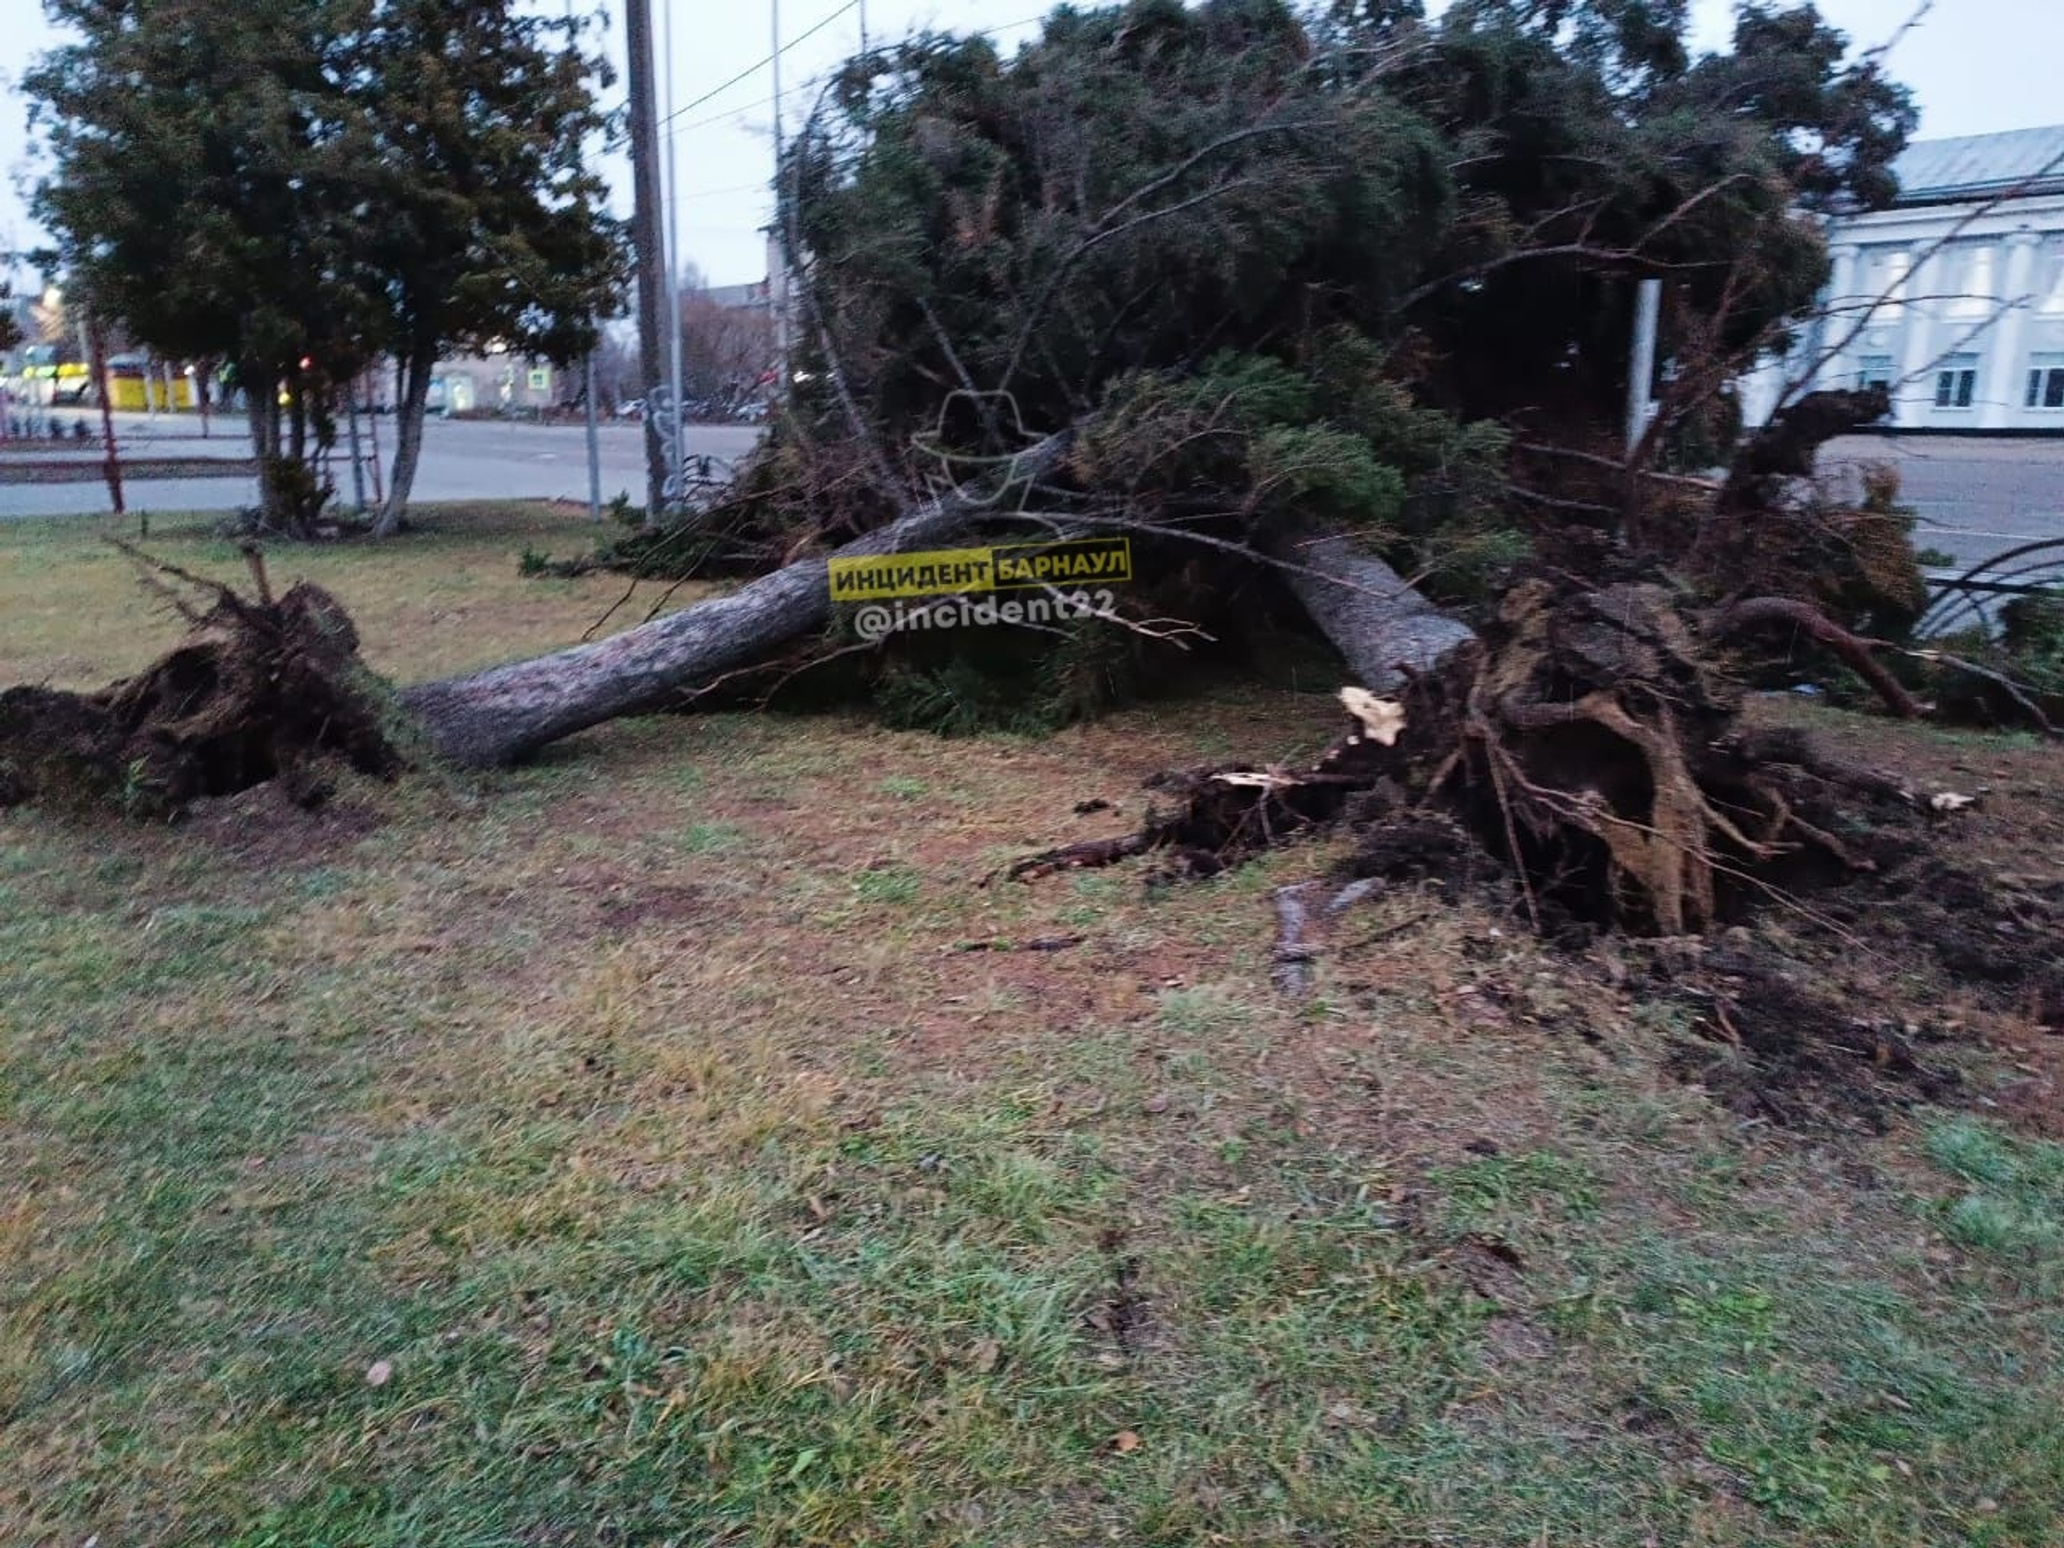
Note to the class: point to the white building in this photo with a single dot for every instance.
(1953, 297)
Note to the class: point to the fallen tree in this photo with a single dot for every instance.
(502, 714)
(259, 685)
(1382, 627)
(1261, 340)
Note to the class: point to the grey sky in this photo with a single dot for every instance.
(1976, 66)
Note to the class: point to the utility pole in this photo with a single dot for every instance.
(645, 238)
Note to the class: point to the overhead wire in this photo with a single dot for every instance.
(806, 88)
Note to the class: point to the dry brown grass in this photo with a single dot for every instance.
(642, 1111)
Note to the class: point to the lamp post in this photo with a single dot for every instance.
(645, 237)
(777, 281)
(675, 417)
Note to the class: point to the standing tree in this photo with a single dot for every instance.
(303, 186)
(204, 194)
(728, 352)
(490, 227)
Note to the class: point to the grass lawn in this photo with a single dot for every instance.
(658, 1145)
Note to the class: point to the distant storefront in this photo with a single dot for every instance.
(493, 384)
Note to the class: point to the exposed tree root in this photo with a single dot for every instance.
(1591, 752)
(258, 690)
(1754, 612)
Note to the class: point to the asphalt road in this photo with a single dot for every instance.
(1975, 496)
(473, 460)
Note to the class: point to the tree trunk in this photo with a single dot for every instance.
(505, 713)
(1384, 629)
(414, 399)
(278, 508)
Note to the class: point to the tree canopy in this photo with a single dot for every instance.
(1285, 256)
(301, 186)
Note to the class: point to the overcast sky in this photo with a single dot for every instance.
(1976, 66)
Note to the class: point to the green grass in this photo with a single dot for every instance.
(440, 599)
(634, 1119)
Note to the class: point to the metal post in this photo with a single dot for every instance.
(777, 282)
(357, 462)
(645, 238)
(373, 427)
(594, 447)
(677, 412)
(1648, 302)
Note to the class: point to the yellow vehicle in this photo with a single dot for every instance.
(134, 386)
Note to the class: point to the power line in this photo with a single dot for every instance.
(752, 70)
(807, 88)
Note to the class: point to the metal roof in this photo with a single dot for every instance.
(1977, 165)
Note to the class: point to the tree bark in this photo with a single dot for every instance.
(502, 715)
(414, 400)
(1384, 629)
(261, 408)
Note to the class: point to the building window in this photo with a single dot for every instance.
(2053, 280)
(1887, 273)
(2046, 382)
(1873, 371)
(1956, 382)
(1974, 297)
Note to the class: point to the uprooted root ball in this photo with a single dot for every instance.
(258, 690)
(1591, 751)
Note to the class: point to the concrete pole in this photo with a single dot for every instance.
(1648, 308)
(645, 237)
